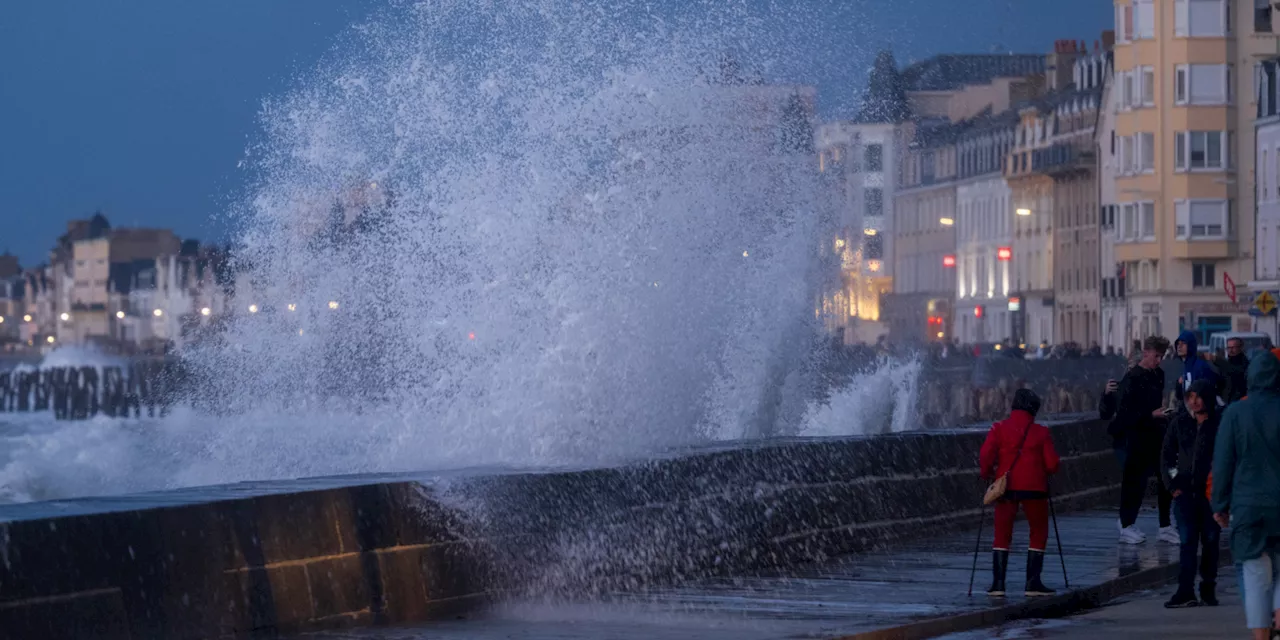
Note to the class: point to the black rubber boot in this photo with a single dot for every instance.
(999, 566)
(1209, 594)
(1035, 564)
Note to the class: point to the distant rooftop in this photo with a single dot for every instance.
(952, 71)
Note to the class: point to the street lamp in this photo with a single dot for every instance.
(157, 313)
(205, 311)
(1023, 212)
(50, 339)
(253, 308)
(120, 315)
(65, 316)
(293, 307)
(333, 304)
(1, 319)
(26, 318)
(745, 254)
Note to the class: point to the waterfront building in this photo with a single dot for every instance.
(1186, 138)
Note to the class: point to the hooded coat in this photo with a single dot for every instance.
(1187, 455)
(1246, 462)
(1193, 366)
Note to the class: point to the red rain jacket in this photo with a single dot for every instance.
(1038, 460)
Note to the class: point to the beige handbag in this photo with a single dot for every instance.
(1001, 484)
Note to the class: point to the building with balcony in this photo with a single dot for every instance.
(949, 96)
(1186, 149)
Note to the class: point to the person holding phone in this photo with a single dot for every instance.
(1137, 428)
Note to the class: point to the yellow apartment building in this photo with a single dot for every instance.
(1183, 180)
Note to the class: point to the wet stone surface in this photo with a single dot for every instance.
(919, 580)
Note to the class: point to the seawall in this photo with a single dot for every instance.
(284, 557)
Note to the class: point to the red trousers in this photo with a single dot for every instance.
(1037, 512)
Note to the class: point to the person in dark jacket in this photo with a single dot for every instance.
(1193, 366)
(1235, 371)
(1186, 462)
(1246, 491)
(1137, 431)
(1024, 450)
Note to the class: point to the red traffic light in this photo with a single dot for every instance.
(948, 261)
(1004, 254)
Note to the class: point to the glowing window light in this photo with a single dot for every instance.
(1023, 212)
(946, 222)
(869, 232)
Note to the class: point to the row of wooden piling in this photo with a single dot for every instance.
(80, 393)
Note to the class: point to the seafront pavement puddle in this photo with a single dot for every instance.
(919, 580)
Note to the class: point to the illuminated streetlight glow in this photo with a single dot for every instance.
(1, 319)
(253, 308)
(745, 254)
(157, 313)
(120, 315)
(333, 304)
(293, 307)
(839, 243)
(206, 311)
(940, 334)
(50, 339)
(26, 318)
(1023, 212)
(869, 232)
(946, 222)
(65, 316)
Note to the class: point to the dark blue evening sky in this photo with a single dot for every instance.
(143, 108)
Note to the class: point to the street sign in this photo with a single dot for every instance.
(1264, 304)
(1229, 286)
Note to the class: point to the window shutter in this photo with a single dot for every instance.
(1180, 150)
(1182, 15)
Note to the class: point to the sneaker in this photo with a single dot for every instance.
(1182, 600)
(1209, 594)
(1170, 535)
(1132, 535)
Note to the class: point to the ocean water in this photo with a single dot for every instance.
(528, 233)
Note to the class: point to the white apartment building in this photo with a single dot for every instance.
(1115, 315)
(1266, 275)
(853, 158)
(984, 232)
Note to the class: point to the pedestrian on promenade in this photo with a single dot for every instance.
(1246, 491)
(1137, 431)
(1193, 366)
(1019, 447)
(1235, 371)
(1186, 463)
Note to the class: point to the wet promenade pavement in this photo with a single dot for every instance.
(859, 596)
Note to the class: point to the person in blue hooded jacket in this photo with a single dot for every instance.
(1193, 366)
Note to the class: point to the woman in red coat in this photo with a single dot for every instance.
(1028, 486)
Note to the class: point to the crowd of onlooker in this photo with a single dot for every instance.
(1213, 446)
